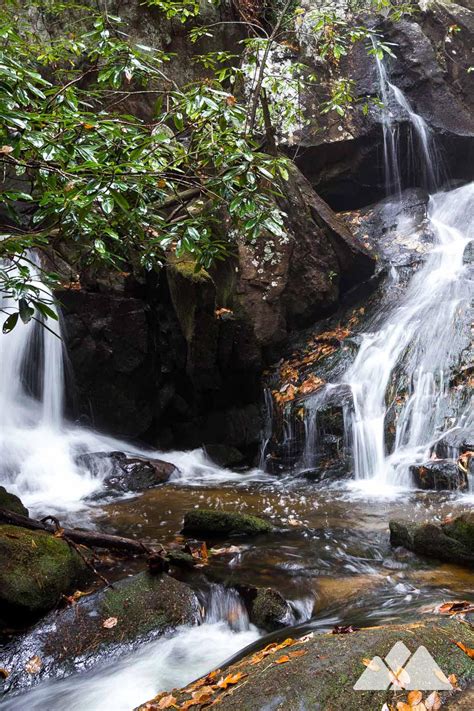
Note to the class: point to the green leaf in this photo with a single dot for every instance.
(10, 323)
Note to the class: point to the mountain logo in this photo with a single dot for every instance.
(402, 670)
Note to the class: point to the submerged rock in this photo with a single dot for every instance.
(439, 474)
(452, 541)
(124, 472)
(36, 570)
(224, 523)
(11, 502)
(110, 621)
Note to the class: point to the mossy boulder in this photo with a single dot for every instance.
(266, 607)
(320, 670)
(11, 502)
(224, 523)
(36, 569)
(461, 529)
(134, 610)
(453, 541)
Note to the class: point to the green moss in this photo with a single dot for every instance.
(269, 609)
(462, 529)
(224, 523)
(35, 570)
(187, 269)
(11, 502)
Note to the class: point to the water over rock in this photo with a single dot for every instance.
(267, 608)
(439, 474)
(108, 622)
(122, 472)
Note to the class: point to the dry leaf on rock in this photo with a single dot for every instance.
(283, 659)
(230, 680)
(167, 702)
(415, 697)
(33, 665)
(467, 650)
(109, 623)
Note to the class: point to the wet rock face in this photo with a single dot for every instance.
(217, 524)
(439, 474)
(341, 156)
(57, 570)
(134, 610)
(454, 443)
(126, 472)
(453, 541)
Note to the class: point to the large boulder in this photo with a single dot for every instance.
(11, 502)
(217, 524)
(111, 621)
(36, 570)
(122, 472)
(439, 474)
(319, 671)
(452, 541)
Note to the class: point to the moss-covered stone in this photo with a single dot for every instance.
(269, 610)
(36, 569)
(461, 528)
(453, 542)
(323, 676)
(224, 523)
(11, 502)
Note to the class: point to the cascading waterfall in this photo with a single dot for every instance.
(423, 335)
(421, 339)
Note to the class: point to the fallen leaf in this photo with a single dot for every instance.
(5, 150)
(297, 653)
(33, 665)
(201, 682)
(433, 701)
(167, 702)
(109, 623)
(344, 629)
(453, 680)
(455, 607)
(414, 698)
(467, 650)
(230, 680)
(402, 706)
(59, 533)
(4, 673)
(283, 659)
(306, 637)
(418, 707)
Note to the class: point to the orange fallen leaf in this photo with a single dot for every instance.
(467, 650)
(167, 702)
(33, 665)
(230, 680)
(402, 706)
(109, 623)
(297, 653)
(283, 659)
(414, 698)
(453, 680)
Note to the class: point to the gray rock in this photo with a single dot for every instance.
(122, 472)
(439, 474)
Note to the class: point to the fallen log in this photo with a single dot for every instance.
(81, 536)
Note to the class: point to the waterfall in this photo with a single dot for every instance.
(423, 334)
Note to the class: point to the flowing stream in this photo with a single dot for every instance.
(333, 558)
